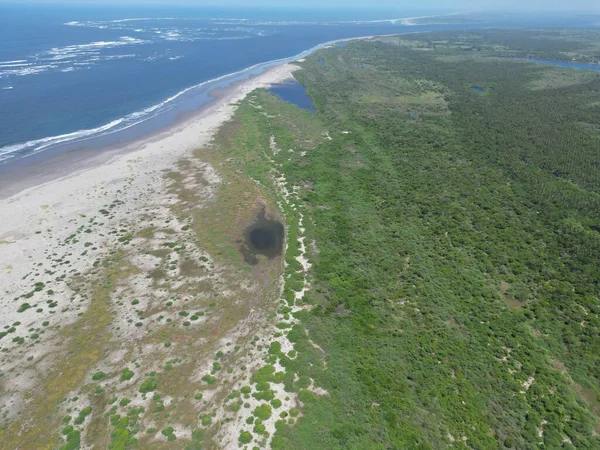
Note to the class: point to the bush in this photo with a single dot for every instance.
(206, 420)
(169, 433)
(98, 376)
(263, 411)
(127, 374)
(245, 437)
(262, 386)
(148, 386)
(209, 379)
(24, 307)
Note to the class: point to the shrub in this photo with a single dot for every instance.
(169, 433)
(98, 376)
(209, 379)
(263, 411)
(148, 386)
(262, 386)
(24, 307)
(245, 437)
(127, 374)
(206, 420)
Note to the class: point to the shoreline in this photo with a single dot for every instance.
(41, 169)
(14, 175)
(58, 235)
(38, 218)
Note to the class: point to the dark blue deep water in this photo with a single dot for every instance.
(295, 93)
(82, 76)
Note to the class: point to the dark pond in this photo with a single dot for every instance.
(294, 93)
(264, 237)
(478, 89)
(414, 115)
(567, 64)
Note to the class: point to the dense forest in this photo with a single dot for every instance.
(453, 212)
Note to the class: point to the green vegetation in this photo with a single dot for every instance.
(245, 437)
(149, 385)
(98, 376)
(124, 430)
(454, 286)
(454, 241)
(263, 412)
(169, 433)
(72, 438)
(209, 379)
(197, 440)
(127, 374)
(24, 307)
(82, 415)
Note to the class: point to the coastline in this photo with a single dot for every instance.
(56, 191)
(62, 217)
(57, 231)
(46, 167)
(122, 132)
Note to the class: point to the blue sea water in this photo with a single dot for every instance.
(92, 76)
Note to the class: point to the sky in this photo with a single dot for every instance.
(458, 5)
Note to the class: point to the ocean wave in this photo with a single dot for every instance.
(135, 118)
(108, 23)
(72, 51)
(40, 144)
(24, 71)
(58, 57)
(182, 32)
(23, 64)
(138, 19)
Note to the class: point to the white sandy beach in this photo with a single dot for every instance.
(37, 222)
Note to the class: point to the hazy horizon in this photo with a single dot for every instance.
(389, 5)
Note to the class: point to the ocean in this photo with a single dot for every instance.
(87, 77)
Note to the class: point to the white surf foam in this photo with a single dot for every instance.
(38, 145)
